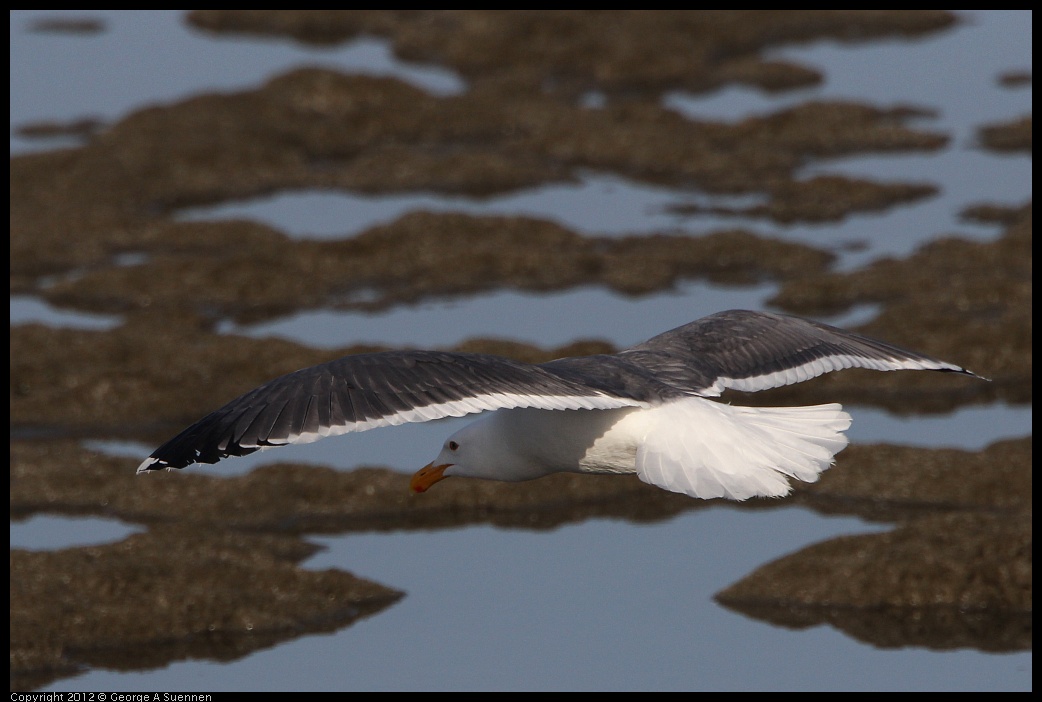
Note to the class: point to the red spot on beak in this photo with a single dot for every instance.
(428, 475)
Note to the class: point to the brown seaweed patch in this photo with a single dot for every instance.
(319, 129)
(821, 199)
(956, 572)
(622, 53)
(1009, 137)
(889, 483)
(67, 25)
(172, 594)
(63, 477)
(946, 581)
(1015, 79)
(82, 128)
(968, 302)
(256, 273)
(879, 482)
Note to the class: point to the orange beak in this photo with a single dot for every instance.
(427, 476)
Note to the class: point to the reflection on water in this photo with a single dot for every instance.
(26, 309)
(50, 533)
(547, 319)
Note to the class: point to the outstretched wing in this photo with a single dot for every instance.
(753, 351)
(364, 391)
(738, 349)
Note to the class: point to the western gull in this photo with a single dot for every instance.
(643, 410)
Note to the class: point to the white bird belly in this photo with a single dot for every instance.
(692, 445)
(577, 441)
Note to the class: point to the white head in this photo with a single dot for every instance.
(482, 449)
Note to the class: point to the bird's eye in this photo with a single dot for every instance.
(453, 446)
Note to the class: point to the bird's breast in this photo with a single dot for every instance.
(578, 441)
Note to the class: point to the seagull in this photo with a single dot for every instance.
(645, 410)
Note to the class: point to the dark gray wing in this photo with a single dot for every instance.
(360, 392)
(738, 349)
(752, 351)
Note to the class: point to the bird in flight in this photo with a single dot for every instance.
(644, 410)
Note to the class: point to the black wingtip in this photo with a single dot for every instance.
(964, 371)
(150, 464)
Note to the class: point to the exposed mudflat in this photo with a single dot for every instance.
(215, 576)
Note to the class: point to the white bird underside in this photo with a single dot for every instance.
(641, 411)
(694, 446)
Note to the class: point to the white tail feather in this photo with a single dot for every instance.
(708, 449)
